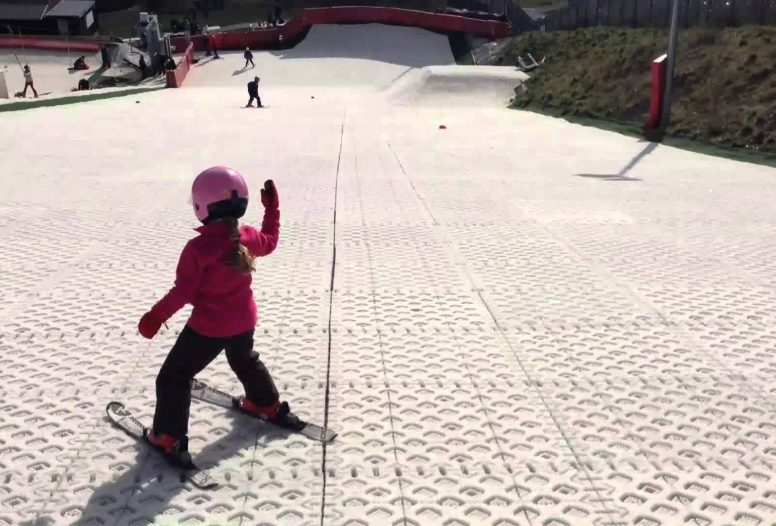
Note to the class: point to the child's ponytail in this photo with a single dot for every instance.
(241, 258)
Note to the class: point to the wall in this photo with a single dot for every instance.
(48, 43)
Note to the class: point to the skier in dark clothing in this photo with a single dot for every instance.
(253, 91)
(211, 47)
(29, 83)
(79, 64)
(248, 58)
(278, 19)
(157, 64)
(143, 67)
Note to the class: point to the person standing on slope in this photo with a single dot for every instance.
(28, 82)
(248, 58)
(214, 275)
(253, 92)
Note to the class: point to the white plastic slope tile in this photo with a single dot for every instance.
(581, 353)
(743, 349)
(746, 250)
(712, 492)
(663, 421)
(714, 305)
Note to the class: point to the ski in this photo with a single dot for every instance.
(122, 418)
(201, 391)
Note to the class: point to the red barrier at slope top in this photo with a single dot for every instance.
(176, 77)
(50, 44)
(442, 22)
(263, 38)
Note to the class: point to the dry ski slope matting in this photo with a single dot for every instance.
(532, 323)
(349, 56)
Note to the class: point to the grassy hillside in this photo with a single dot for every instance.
(724, 90)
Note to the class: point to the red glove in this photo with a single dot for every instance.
(269, 196)
(149, 325)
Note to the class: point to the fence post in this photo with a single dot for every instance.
(587, 13)
(635, 19)
(622, 12)
(671, 65)
(650, 19)
(708, 13)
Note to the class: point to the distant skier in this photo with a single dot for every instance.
(253, 92)
(278, 18)
(187, 31)
(143, 67)
(248, 58)
(211, 47)
(28, 82)
(79, 64)
(214, 275)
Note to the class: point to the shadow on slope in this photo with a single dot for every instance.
(146, 489)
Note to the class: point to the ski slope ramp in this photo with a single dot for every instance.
(532, 323)
(345, 56)
(402, 65)
(471, 86)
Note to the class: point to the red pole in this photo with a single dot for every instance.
(658, 91)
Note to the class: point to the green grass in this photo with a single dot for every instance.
(697, 145)
(47, 102)
(724, 90)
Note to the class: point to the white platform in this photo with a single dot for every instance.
(523, 332)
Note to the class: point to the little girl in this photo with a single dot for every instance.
(214, 275)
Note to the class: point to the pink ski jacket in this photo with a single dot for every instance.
(221, 294)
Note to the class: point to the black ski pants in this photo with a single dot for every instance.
(258, 100)
(249, 60)
(193, 352)
(29, 85)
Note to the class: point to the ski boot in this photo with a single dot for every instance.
(278, 413)
(176, 450)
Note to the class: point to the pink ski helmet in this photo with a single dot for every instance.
(219, 192)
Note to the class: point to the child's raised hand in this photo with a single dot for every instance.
(149, 325)
(269, 195)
